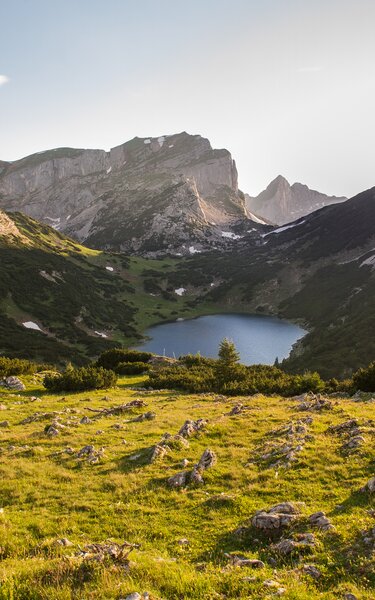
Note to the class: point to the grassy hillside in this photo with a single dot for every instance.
(188, 538)
(83, 300)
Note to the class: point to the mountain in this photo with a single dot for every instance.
(318, 271)
(60, 301)
(171, 194)
(282, 203)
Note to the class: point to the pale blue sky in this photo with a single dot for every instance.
(288, 86)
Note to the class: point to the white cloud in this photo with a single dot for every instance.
(3, 79)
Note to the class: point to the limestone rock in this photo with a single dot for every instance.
(320, 520)
(13, 383)
(275, 518)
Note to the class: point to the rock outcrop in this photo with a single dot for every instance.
(146, 196)
(282, 203)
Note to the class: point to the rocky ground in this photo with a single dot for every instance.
(137, 494)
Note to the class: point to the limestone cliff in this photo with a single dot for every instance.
(147, 195)
(282, 203)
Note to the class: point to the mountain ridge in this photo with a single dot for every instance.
(282, 203)
(147, 195)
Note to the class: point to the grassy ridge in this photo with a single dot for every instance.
(48, 494)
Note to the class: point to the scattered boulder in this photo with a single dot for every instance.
(314, 402)
(303, 542)
(207, 460)
(190, 427)
(4, 424)
(353, 431)
(147, 416)
(194, 476)
(320, 520)
(158, 451)
(179, 480)
(117, 553)
(369, 486)
(311, 570)
(64, 542)
(282, 451)
(85, 420)
(91, 455)
(275, 518)
(242, 561)
(13, 383)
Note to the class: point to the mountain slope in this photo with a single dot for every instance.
(282, 203)
(61, 301)
(319, 271)
(150, 195)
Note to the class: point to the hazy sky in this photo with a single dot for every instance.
(288, 86)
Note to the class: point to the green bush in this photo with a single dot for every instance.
(79, 380)
(111, 358)
(227, 376)
(364, 379)
(132, 368)
(17, 366)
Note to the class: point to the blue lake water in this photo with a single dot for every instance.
(258, 339)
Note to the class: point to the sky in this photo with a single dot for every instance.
(287, 86)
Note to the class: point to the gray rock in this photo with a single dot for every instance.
(312, 570)
(275, 518)
(320, 520)
(369, 486)
(13, 383)
(85, 420)
(178, 480)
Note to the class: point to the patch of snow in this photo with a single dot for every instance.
(178, 254)
(193, 250)
(212, 284)
(369, 261)
(109, 170)
(171, 146)
(284, 228)
(180, 319)
(230, 235)
(31, 325)
(251, 230)
(99, 333)
(161, 140)
(147, 141)
(110, 269)
(68, 217)
(55, 223)
(180, 291)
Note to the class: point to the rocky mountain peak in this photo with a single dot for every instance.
(282, 203)
(144, 195)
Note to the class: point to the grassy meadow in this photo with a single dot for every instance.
(186, 536)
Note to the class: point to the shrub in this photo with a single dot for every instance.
(111, 358)
(132, 368)
(17, 366)
(364, 379)
(82, 379)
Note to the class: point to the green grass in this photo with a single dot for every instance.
(47, 496)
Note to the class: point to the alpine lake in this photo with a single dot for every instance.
(258, 339)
